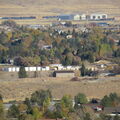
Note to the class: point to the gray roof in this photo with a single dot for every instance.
(65, 71)
(112, 110)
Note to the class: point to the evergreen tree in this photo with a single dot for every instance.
(22, 73)
(83, 70)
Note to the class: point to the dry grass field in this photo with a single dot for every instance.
(19, 89)
(41, 8)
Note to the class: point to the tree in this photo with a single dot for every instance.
(42, 98)
(83, 70)
(117, 53)
(3, 38)
(29, 117)
(46, 103)
(10, 23)
(22, 108)
(119, 43)
(80, 99)
(116, 117)
(87, 117)
(19, 61)
(67, 101)
(13, 111)
(29, 106)
(36, 113)
(106, 101)
(22, 73)
(25, 117)
(22, 117)
(110, 101)
(66, 105)
(91, 57)
(27, 102)
(1, 111)
(1, 99)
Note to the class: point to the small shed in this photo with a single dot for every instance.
(64, 73)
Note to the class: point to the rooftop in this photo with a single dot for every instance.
(64, 71)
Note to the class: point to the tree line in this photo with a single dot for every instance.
(39, 106)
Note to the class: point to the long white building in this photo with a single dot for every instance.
(94, 16)
(98, 16)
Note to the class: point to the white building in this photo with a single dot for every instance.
(98, 16)
(77, 17)
(83, 17)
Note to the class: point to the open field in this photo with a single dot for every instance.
(19, 89)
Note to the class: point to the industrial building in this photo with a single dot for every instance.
(18, 18)
(77, 17)
(98, 16)
(80, 17)
(83, 17)
(64, 73)
(65, 17)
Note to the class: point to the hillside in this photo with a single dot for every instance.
(58, 2)
(40, 7)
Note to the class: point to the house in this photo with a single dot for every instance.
(64, 73)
